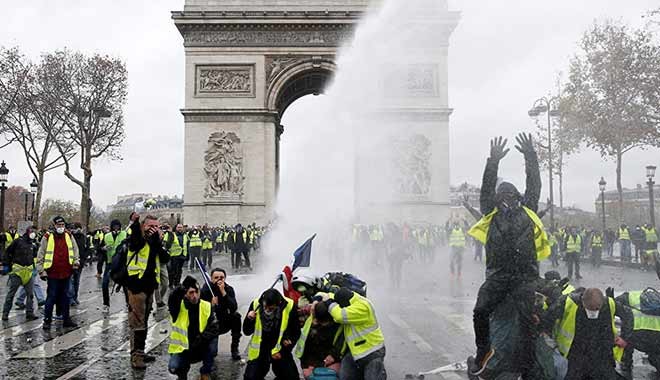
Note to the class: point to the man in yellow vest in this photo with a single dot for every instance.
(515, 240)
(645, 332)
(194, 246)
(586, 334)
(457, 246)
(194, 331)
(144, 257)
(176, 243)
(573, 244)
(20, 259)
(108, 246)
(272, 321)
(596, 244)
(56, 259)
(321, 342)
(651, 239)
(624, 242)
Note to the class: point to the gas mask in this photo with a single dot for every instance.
(592, 314)
(507, 197)
(32, 235)
(59, 230)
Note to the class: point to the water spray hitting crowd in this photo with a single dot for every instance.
(361, 261)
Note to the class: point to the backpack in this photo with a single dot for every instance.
(119, 264)
(650, 302)
(336, 280)
(321, 373)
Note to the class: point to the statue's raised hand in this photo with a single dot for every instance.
(498, 148)
(525, 143)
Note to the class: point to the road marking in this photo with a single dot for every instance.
(69, 340)
(154, 338)
(452, 376)
(459, 321)
(28, 326)
(421, 344)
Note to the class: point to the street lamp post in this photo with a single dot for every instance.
(27, 196)
(4, 173)
(650, 173)
(549, 107)
(34, 185)
(601, 186)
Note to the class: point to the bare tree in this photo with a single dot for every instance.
(33, 124)
(13, 74)
(613, 94)
(90, 93)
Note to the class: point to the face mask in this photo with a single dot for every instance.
(33, 235)
(592, 314)
(59, 230)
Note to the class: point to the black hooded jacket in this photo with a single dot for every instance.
(510, 248)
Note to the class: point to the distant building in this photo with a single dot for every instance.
(166, 208)
(635, 205)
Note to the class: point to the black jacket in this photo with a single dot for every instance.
(198, 341)
(226, 305)
(22, 251)
(510, 247)
(269, 338)
(136, 242)
(594, 339)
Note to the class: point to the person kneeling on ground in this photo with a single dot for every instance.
(194, 334)
(366, 357)
(272, 322)
(226, 310)
(320, 343)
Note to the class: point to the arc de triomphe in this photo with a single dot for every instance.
(246, 62)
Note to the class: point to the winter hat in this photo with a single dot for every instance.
(189, 282)
(58, 219)
(115, 222)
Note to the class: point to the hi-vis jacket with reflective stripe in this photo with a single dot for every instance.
(361, 329)
(480, 232)
(111, 243)
(179, 335)
(642, 321)
(176, 249)
(457, 238)
(195, 239)
(300, 346)
(138, 265)
(573, 244)
(47, 251)
(566, 330)
(254, 347)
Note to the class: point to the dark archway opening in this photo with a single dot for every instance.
(308, 82)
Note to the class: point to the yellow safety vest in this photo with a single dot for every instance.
(480, 232)
(651, 235)
(10, 238)
(111, 243)
(573, 245)
(251, 237)
(179, 334)
(195, 240)
(176, 249)
(207, 243)
(566, 331)
(218, 239)
(23, 272)
(50, 249)
(623, 234)
(244, 237)
(300, 346)
(255, 342)
(642, 321)
(225, 237)
(457, 238)
(360, 326)
(138, 264)
(568, 289)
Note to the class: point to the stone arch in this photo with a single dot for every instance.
(305, 77)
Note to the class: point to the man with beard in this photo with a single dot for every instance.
(226, 309)
(144, 257)
(513, 236)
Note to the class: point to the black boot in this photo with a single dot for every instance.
(235, 355)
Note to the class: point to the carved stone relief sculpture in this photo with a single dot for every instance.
(411, 162)
(226, 81)
(223, 166)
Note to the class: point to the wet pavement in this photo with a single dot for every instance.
(427, 324)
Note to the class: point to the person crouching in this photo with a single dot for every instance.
(194, 331)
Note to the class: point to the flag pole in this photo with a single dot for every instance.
(206, 280)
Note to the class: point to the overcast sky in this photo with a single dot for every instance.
(503, 55)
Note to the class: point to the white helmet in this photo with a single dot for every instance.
(305, 278)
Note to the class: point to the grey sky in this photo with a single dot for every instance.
(503, 55)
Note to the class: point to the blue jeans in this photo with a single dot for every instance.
(38, 291)
(74, 286)
(180, 363)
(57, 294)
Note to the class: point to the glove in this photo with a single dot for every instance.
(609, 292)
